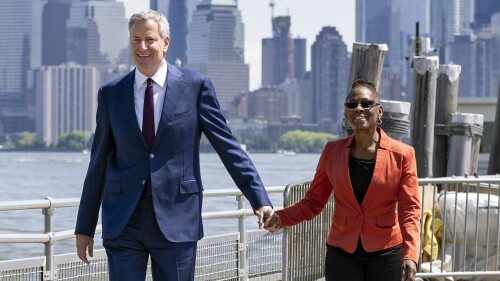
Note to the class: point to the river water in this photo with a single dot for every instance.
(37, 175)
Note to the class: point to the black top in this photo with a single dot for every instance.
(360, 173)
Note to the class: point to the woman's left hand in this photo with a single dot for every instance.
(408, 270)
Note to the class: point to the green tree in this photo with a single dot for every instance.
(305, 141)
(26, 140)
(76, 140)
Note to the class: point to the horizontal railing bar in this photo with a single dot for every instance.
(459, 274)
(75, 201)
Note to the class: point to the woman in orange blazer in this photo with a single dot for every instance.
(375, 231)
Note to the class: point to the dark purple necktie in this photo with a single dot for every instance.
(148, 126)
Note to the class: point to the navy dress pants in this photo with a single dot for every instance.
(128, 253)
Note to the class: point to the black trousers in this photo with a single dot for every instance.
(384, 265)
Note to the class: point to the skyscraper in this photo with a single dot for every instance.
(216, 41)
(282, 57)
(329, 76)
(179, 14)
(54, 31)
(445, 24)
(21, 29)
(97, 33)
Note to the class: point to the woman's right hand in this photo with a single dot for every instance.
(273, 223)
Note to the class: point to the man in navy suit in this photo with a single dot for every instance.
(151, 194)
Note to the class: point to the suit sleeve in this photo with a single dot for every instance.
(236, 161)
(315, 199)
(409, 208)
(90, 202)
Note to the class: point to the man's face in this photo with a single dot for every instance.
(147, 47)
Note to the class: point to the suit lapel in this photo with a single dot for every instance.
(174, 90)
(378, 172)
(349, 191)
(127, 88)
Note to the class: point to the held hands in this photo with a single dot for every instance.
(263, 213)
(408, 270)
(84, 243)
(273, 223)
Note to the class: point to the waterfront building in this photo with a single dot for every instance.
(216, 41)
(329, 70)
(495, 55)
(445, 24)
(66, 98)
(21, 29)
(268, 103)
(97, 33)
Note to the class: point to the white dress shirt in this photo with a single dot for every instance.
(159, 88)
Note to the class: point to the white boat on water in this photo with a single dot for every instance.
(286, 152)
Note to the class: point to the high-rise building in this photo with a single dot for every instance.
(483, 10)
(216, 41)
(54, 31)
(21, 28)
(178, 14)
(445, 24)
(495, 55)
(97, 33)
(282, 57)
(66, 101)
(21, 23)
(329, 76)
(299, 58)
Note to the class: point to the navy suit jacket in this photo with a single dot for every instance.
(121, 161)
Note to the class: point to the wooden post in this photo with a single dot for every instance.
(446, 104)
(367, 61)
(464, 126)
(423, 112)
(494, 163)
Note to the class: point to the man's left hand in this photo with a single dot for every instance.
(263, 213)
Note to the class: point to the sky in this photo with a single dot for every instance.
(308, 17)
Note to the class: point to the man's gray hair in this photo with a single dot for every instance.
(153, 15)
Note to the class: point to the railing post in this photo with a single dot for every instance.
(242, 245)
(49, 273)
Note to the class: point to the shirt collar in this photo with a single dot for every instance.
(159, 77)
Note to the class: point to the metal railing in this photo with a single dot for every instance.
(460, 231)
(233, 256)
(460, 239)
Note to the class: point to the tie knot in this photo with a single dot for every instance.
(150, 82)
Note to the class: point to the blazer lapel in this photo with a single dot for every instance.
(378, 171)
(174, 90)
(127, 96)
(349, 191)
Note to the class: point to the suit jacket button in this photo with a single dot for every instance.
(151, 156)
(143, 182)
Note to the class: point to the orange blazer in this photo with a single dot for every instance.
(390, 212)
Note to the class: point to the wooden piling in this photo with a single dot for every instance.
(425, 71)
(446, 104)
(367, 61)
(494, 163)
(463, 145)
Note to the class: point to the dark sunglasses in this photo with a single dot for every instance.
(366, 104)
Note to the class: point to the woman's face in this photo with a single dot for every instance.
(363, 109)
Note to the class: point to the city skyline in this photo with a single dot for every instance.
(306, 22)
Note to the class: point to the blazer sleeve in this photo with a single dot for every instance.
(315, 199)
(409, 208)
(90, 202)
(236, 161)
